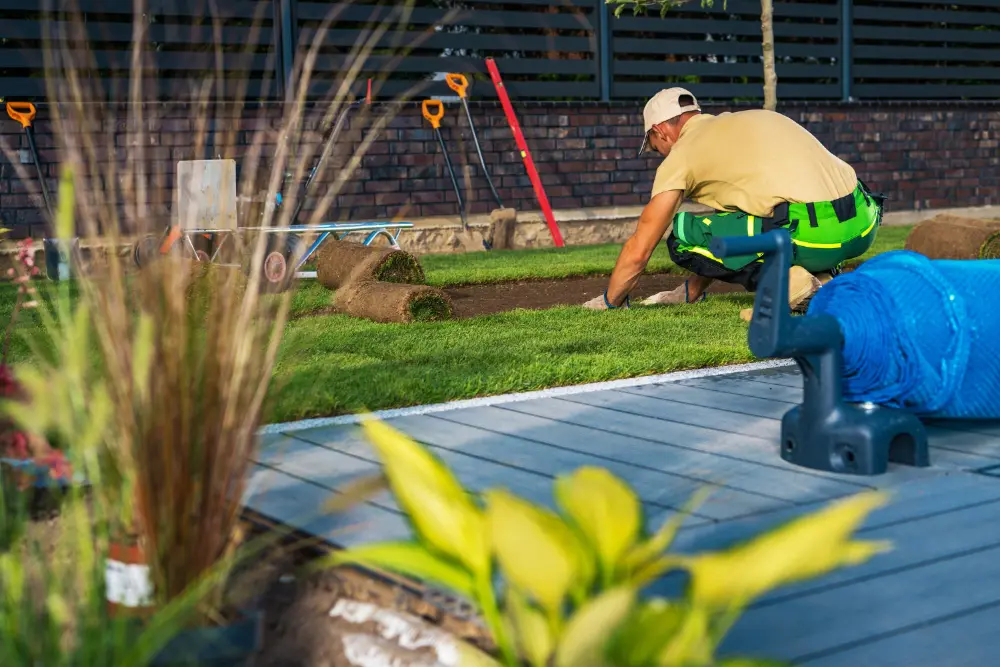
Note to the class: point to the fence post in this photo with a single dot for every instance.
(846, 39)
(604, 48)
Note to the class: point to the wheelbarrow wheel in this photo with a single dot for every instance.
(146, 250)
(281, 255)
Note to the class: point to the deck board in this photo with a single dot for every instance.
(298, 503)
(934, 599)
(832, 618)
(952, 445)
(779, 483)
(474, 471)
(966, 639)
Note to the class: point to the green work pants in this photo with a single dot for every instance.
(824, 236)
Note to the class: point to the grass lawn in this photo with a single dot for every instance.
(334, 364)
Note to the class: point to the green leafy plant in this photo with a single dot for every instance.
(571, 578)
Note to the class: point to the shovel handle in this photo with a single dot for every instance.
(458, 83)
(433, 116)
(22, 112)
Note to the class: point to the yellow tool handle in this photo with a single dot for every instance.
(22, 112)
(433, 116)
(458, 83)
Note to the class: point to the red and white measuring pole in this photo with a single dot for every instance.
(522, 146)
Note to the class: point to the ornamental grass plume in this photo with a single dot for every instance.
(171, 364)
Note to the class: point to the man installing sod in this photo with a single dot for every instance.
(759, 170)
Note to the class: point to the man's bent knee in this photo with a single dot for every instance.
(701, 262)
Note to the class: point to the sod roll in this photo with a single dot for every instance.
(341, 262)
(952, 237)
(393, 302)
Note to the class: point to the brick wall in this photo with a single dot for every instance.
(921, 156)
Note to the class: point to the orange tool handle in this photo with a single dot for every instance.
(22, 112)
(458, 83)
(433, 116)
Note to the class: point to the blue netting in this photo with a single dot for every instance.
(920, 334)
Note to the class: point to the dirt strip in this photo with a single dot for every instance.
(473, 300)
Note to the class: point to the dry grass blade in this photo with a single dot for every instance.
(189, 402)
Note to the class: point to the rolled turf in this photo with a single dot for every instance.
(393, 302)
(952, 237)
(341, 262)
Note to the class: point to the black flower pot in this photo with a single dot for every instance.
(231, 645)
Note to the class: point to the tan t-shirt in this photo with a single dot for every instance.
(751, 161)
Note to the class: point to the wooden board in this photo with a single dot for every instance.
(298, 503)
(933, 600)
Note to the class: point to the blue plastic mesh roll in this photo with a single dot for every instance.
(920, 334)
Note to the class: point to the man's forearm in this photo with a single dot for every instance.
(631, 263)
(625, 276)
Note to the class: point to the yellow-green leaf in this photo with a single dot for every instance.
(584, 641)
(530, 627)
(470, 656)
(442, 513)
(604, 509)
(691, 643)
(650, 550)
(648, 629)
(534, 547)
(410, 559)
(801, 549)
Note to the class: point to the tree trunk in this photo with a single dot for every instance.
(767, 42)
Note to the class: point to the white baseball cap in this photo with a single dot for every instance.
(663, 106)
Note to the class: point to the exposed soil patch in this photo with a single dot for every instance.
(300, 630)
(486, 299)
(473, 300)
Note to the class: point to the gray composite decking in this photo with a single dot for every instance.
(933, 600)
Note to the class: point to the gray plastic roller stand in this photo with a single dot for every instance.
(824, 432)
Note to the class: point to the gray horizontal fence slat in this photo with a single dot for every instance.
(426, 16)
(238, 9)
(650, 68)
(752, 8)
(749, 8)
(107, 31)
(242, 9)
(410, 64)
(118, 87)
(923, 72)
(518, 90)
(990, 4)
(721, 49)
(449, 40)
(924, 91)
(939, 35)
(910, 15)
(869, 51)
(728, 91)
(702, 26)
(153, 60)
(535, 3)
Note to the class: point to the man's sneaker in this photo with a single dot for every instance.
(802, 285)
(678, 295)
